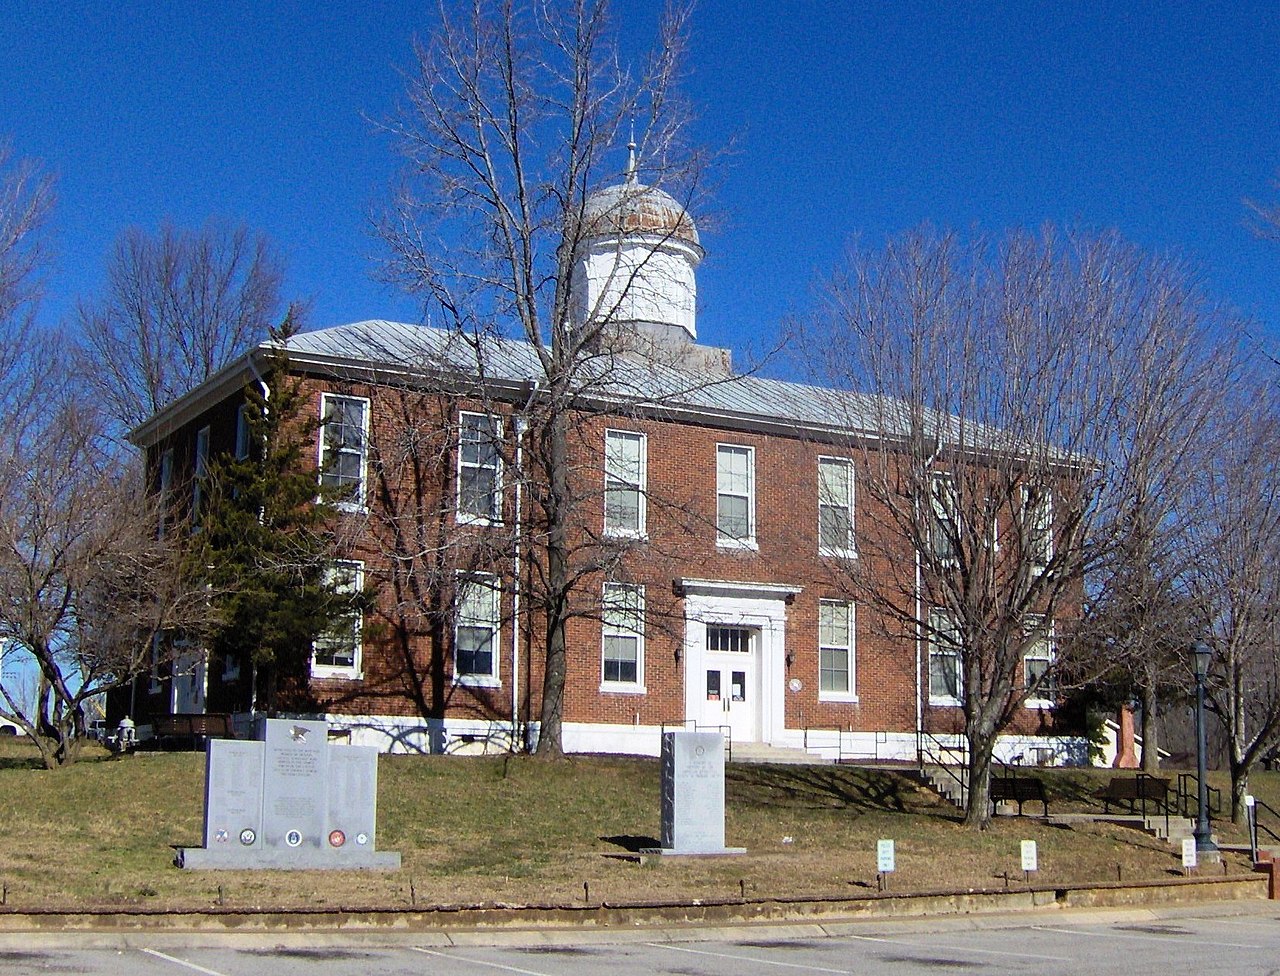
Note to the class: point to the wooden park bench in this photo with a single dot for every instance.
(1134, 790)
(191, 728)
(1018, 789)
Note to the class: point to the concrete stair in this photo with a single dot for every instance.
(761, 752)
(945, 781)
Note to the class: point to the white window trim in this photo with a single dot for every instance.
(489, 581)
(1039, 559)
(359, 503)
(730, 542)
(166, 486)
(852, 694)
(941, 511)
(641, 532)
(943, 700)
(242, 432)
(636, 687)
(850, 549)
(199, 468)
(1049, 655)
(353, 671)
(467, 518)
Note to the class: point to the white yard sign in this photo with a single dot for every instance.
(1188, 852)
(884, 856)
(1029, 856)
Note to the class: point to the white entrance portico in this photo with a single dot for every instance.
(735, 656)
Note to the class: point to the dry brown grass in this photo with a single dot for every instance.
(518, 830)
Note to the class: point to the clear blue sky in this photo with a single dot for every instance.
(850, 118)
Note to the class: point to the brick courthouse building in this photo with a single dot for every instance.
(731, 499)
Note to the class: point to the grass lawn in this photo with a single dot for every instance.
(519, 830)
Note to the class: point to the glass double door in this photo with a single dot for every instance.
(731, 680)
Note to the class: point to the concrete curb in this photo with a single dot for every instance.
(605, 923)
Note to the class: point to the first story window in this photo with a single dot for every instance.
(835, 649)
(475, 647)
(336, 652)
(622, 630)
(344, 429)
(945, 681)
(1037, 663)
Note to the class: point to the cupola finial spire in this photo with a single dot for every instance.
(631, 154)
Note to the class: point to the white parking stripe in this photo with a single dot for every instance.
(182, 962)
(755, 959)
(930, 946)
(1133, 936)
(477, 962)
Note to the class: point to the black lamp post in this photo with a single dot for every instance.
(1204, 839)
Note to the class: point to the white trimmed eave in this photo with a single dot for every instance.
(222, 384)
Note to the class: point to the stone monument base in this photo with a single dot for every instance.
(213, 859)
(673, 852)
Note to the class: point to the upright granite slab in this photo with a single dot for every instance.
(693, 794)
(290, 800)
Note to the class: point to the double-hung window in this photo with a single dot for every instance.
(625, 461)
(735, 496)
(835, 651)
(475, 644)
(242, 432)
(946, 686)
(1037, 663)
(166, 486)
(835, 506)
(201, 468)
(479, 468)
(1037, 524)
(336, 652)
(942, 518)
(344, 430)
(622, 629)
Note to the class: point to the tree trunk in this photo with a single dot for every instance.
(1150, 735)
(551, 718)
(1239, 779)
(977, 811)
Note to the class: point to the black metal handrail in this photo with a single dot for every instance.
(929, 744)
(1188, 793)
(1260, 804)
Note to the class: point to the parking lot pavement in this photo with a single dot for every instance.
(1239, 940)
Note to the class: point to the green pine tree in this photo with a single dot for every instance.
(266, 543)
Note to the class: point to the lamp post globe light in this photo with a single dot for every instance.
(1201, 654)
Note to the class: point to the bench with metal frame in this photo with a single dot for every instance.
(1019, 790)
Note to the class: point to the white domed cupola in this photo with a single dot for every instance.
(634, 268)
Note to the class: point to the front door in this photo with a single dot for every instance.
(188, 681)
(730, 673)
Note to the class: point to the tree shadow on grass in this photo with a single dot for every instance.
(633, 843)
(831, 787)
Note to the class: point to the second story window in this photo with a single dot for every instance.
(201, 468)
(344, 428)
(242, 432)
(735, 496)
(624, 483)
(835, 506)
(942, 518)
(479, 468)
(1037, 525)
(166, 485)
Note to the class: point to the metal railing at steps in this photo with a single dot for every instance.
(1188, 797)
(693, 725)
(1260, 805)
(822, 739)
(947, 753)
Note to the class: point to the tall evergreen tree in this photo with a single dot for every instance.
(267, 542)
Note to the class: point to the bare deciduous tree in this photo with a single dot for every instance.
(86, 584)
(1002, 385)
(177, 307)
(514, 115)
(1232, 574)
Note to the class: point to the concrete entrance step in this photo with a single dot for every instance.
(761, 752)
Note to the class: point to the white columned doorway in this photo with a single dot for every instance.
(735, 656)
